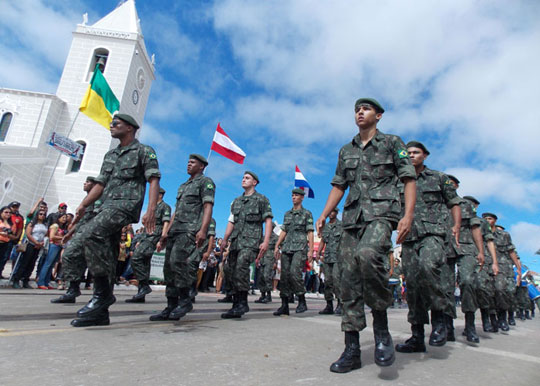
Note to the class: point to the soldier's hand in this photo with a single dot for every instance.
(258, 262)
(223, 245)
(276, 254)
(205, 256)
(162, 243)
(149, 221)
(495, 268)
(455, 233)
(199, 238)
(519, 279)
(319, 224)
(403, 228)
(481, 259)
(262, 250)
(79, 213)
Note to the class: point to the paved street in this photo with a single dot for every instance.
(40, 347)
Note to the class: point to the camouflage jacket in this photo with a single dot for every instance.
(371, 172)
(504, 245)
(330, 236)
(248, 215)
(190, 200)
(468, 221)
(435, 194)
(124, 173)
(269, 255)
(163, 214)
(487, 235)
(297, 224)
(209, 233)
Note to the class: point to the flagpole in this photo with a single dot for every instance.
(59, 155)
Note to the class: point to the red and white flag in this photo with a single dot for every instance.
(223, 145)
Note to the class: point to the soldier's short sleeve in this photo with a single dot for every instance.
(166, 213)
(266, 209)
(509, 244)
(208, 191)
(231, 215)
(475, 221)
(339, 180)
(486, 231)
(309, 221)
(211, 228)
(325, 234)
(106, 170)
(286, 222)
(449, 192)
(402, 161)
(150, 163)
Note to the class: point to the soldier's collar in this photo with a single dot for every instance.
(132, 145)
(379, 136)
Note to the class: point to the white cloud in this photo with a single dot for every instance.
(526, 237)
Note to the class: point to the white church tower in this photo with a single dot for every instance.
(116, 43)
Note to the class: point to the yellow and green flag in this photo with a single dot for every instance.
(99, 102)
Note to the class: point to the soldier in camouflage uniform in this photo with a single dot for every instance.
(266, 273)
(203, 253)
(142, 257)
(73, 262)
(331, 265)
(187, 233)
(505, 285)
(370, 165)
(245, 229)
(121, 185)
(423, 252)
(296, 242)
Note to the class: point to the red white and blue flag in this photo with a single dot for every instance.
(301, 182)
(223, 145)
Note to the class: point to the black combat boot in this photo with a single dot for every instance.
(470, 329)
(527, 315)
(415, 343)
(350, 358)
(494, 322)
(384, 347)
(291, 299)
(511, 320)
(71, 294)
(193, 292)
(532, 312)
(172, 303)
(262, 298)
(486, 323)
(268, 298)
(139, 297)
(239, 308)
(339, 307)
(438, 329)
(101, 299)
(503, 324)
(184, 305)
(101, 319)
(227, 299)
(450, 333)
(302, 306)
(328, 310)
(521, 315)
(284, 309)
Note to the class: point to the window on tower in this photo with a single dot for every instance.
(5, 122)
(100, 57)
(75, 166)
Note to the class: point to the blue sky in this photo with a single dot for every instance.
(282, 78)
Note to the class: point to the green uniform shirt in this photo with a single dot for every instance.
(163, 214)
(435, 194)
(330, 236)
(209, 233)
(371, 172)
(190, 200)
(297, 224)
(487, 235)
(504, 245)
(124, 173)
(248, 215)
(469, 219)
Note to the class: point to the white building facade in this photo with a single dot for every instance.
(29, 168)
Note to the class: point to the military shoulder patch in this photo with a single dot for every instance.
(448, 182)
(310, 220)
(403, 153)
(152, 155)
(210, 185)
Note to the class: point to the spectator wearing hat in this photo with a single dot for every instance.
(142, 256)
(52, 217)
(188, 231)
(249, 212)
(296, 244)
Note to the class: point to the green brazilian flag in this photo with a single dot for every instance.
(99, 102)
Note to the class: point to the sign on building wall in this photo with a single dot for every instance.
(65, 145)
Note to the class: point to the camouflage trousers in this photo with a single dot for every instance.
(239, 261)
(227, 275)
(179, 261)
(364, 276)
(142, 257)
(73, 261)
(102, 241)
(332, 281)
(505, 288)
(266, 272)
(485, 294)
(423, 261)
(467, 279)
(292, 265)
(522, 298)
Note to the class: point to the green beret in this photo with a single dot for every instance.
(199, 158)
(487, 214)
(453, 178)
(370, 101)
(128, 119)
(419, 145)
(471, 198)
(255, 177)
(298, 191)
(91, 179)
(162, 191)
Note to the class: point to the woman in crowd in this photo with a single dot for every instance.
(56, 234)
(7, 230)
(36, 231)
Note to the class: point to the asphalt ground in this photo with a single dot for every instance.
(39, 346)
